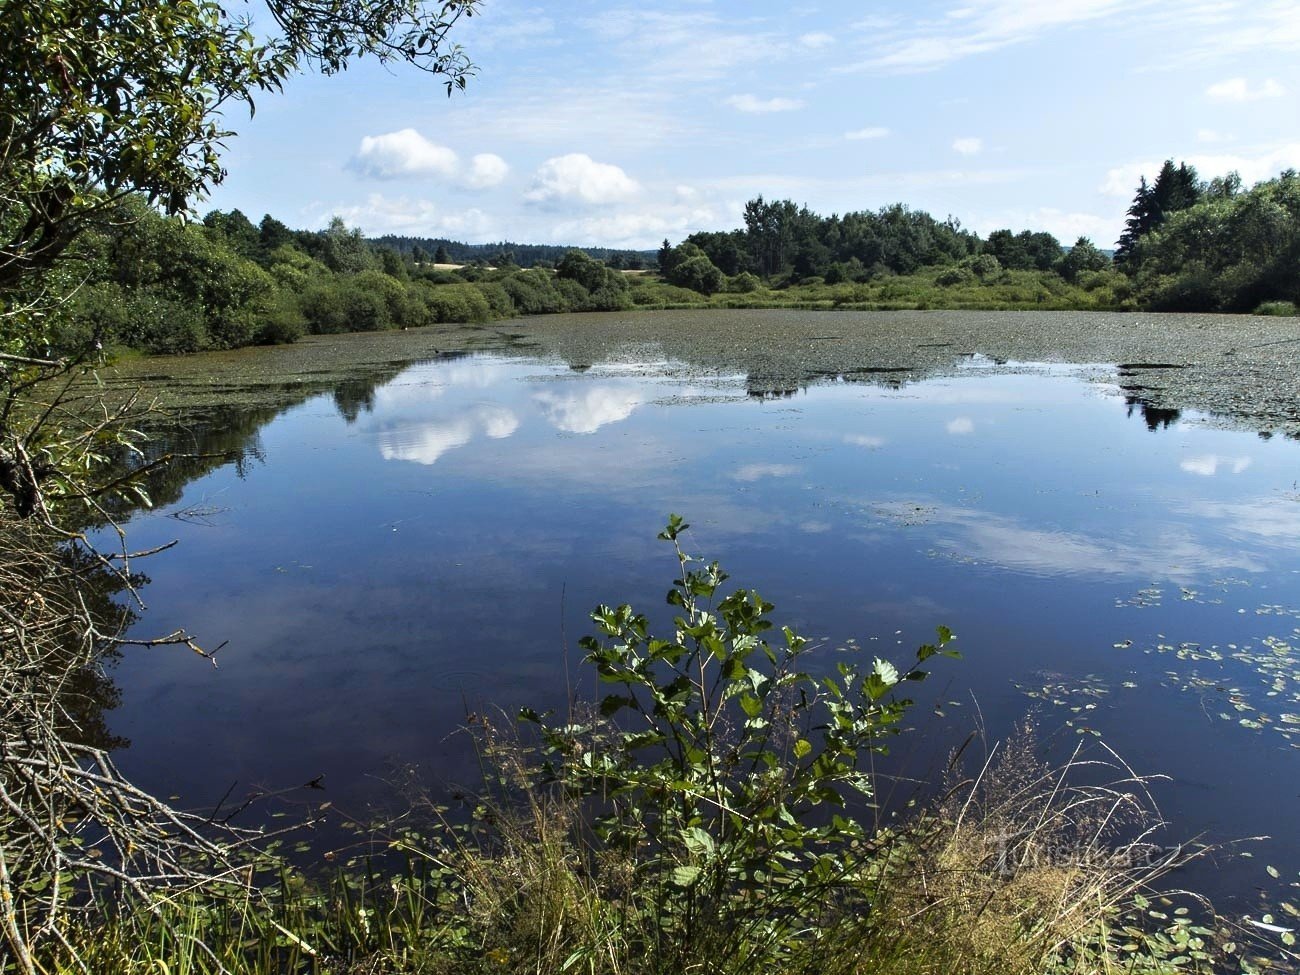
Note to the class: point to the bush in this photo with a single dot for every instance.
(498, 299)
(698, 274)
(279, 320)
(457, 303)
(713, 783)
(533, 292)
(162, 325)
(1279, 309)
(744, 283)
(954, 276)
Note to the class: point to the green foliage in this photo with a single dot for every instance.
(1081, 258)
(534, 292)
(1175, 189)
(709, 764)
(107, 99)
(698, 274)
(603, 289)
(744, 283)
(456, 303)
(1025, 251)
(1230, 253)
(1279, 309)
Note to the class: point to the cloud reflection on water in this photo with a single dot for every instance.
(589, 410)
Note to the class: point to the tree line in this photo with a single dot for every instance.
(147, 281)
(161, 284)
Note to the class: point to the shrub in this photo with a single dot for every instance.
(713, 782)
(497, 298)
(955, 275)
(533, 292)
(457, 303)
(279, 320)
(698, 274)
(744, 283)
(1281, 309)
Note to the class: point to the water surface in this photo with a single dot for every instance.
(386, 558)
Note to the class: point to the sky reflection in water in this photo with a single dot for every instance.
(378, 577)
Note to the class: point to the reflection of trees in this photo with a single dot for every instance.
(1155, 417)
(55, 591)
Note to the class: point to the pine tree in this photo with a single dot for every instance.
(1174, 189)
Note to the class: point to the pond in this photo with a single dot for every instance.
(388, 558)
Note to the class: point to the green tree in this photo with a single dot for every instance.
(1175, 188)
(106, 98)
(1083, 256)
(440, 256)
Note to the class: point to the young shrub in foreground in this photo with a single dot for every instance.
(724, 775)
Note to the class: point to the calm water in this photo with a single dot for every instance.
(384, 559)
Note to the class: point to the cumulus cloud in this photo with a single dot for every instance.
(577, 178)
(641, 227)
(968, 146)
(1240, 90)
(1122, 181)
(486, 170)
(1066, 225)
(402, 154)
(380, 214)
(753, 105)
(406, 154)
(871, 132)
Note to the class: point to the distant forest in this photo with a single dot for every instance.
(162, 284)
(431, 249)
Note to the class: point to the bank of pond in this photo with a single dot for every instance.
(163, 285)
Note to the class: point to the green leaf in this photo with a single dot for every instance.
(802, 748)
(685, 876)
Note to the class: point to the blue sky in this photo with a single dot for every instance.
(602, 124)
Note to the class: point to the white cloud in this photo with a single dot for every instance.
(406, 154)
(486, 170)
(403, 215)
(1207, 465)
(1122, 181)
(1240, 90)
(754, 105)
(871, 132)
(753, 472)
(816, 40)
(401, 154)
(981, 26)
(688, 46)
(968, 146)
(578, 178)
(1065, 225)
(960, 426)
(643, 227)
(1210, 136)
